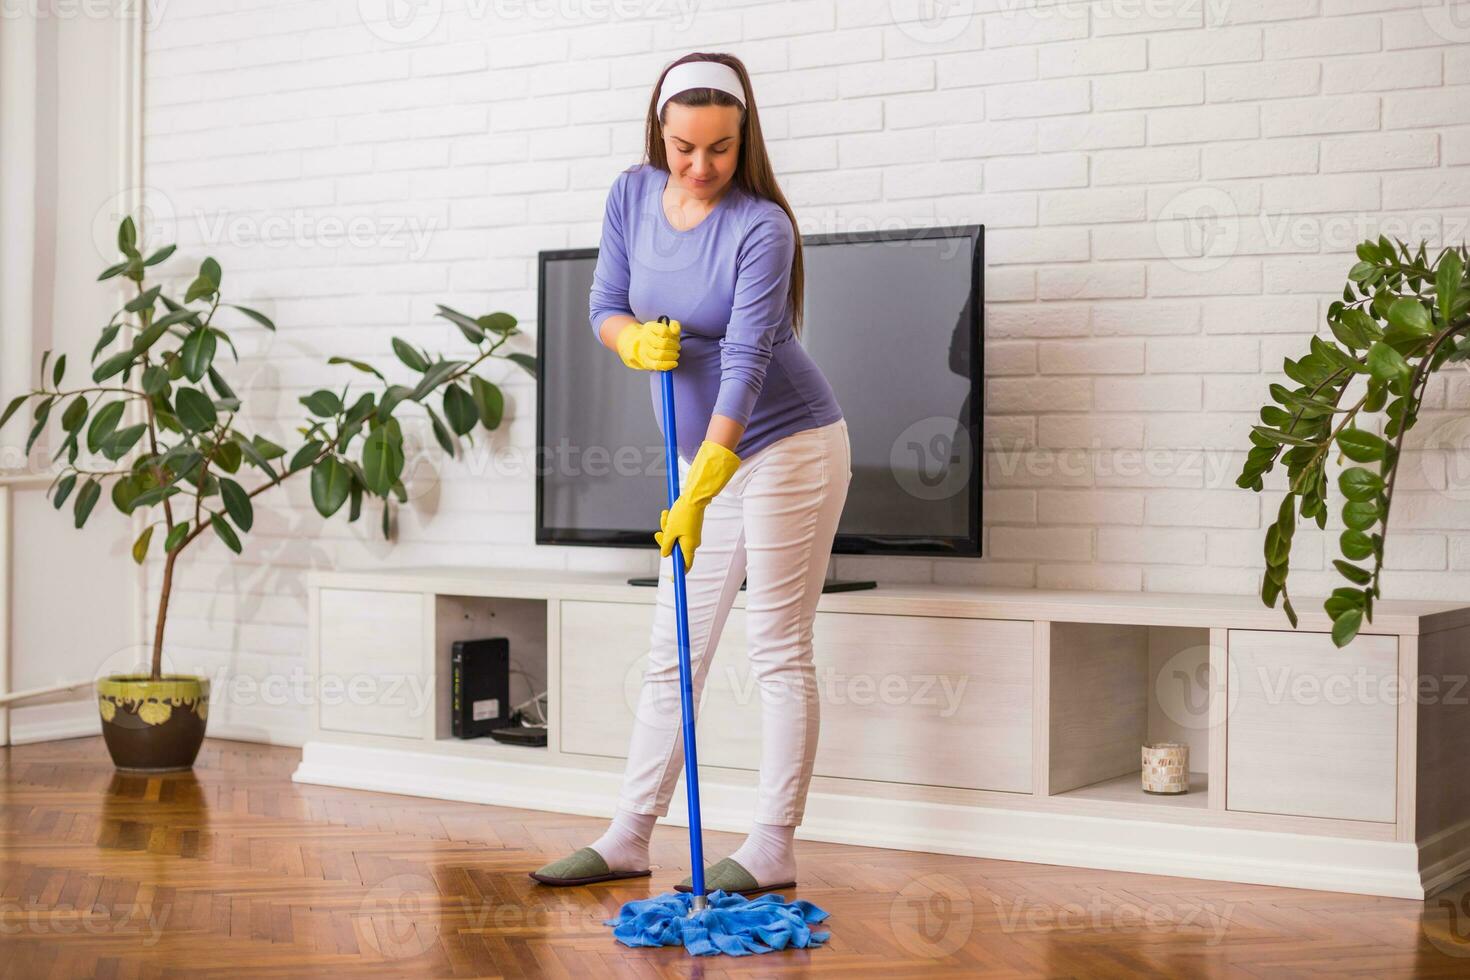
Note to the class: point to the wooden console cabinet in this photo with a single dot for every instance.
(993, 722)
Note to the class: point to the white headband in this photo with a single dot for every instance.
(700, 74)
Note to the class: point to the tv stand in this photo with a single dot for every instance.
(958, 719)
(828, 585)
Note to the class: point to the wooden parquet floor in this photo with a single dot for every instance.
(234, 871)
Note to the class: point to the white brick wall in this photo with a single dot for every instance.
(1123, 370)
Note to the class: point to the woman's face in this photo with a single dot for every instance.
(703, 146)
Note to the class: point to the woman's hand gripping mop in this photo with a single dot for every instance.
(720, 922)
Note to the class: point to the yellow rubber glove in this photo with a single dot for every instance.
(651, 346)
(712, 468)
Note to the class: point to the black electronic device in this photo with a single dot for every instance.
(521, 735)
(479, 686)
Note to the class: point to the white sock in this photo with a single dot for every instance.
(768, 854)
(625, 844)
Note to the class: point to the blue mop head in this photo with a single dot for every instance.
(731, 924)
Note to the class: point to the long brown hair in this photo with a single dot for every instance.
(753, 173)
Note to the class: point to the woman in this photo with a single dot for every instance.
(700, 233)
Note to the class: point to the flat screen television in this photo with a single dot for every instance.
(895, 321)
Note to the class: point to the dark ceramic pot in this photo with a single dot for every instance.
(153, 726)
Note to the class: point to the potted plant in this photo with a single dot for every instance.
(183, 458)
(1400, 319)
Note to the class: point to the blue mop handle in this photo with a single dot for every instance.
(686, 685)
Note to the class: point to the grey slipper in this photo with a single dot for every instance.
(729, 876)
(582, 867)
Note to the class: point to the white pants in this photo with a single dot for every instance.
(772, 524)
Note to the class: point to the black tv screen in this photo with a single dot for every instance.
(895, 321)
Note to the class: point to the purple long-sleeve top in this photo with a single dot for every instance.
(726, 281)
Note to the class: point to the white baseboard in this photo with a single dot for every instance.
(1386, 868)
(55, 721)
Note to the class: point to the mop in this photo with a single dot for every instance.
(706, 925)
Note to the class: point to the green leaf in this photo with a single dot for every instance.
(255, 315)
(201, 288)
(225, 533)
(237, 503)
(127, 236)
(501, 323)
(1447, 284)
(251, 452)
(441, 433)
(113, 365)
(160, 255)
(1359, 484)
(221, 388)
(1360, 446)
(75, 414)
(526, 361)
(382, 458)
(176, 535)
(144, 300)
(1363, 325)
(1290, 611)
(63, 490)
(140, 546)
(1360, 515)
(103, 425)
(489, 401)
(12, 408)
(360, 365)
(1386, 364)
(330, 483)
(1410, 316)
(1345, 627)
(86, 500)
(1277, 436)
(1278, 549)
(267, 448)
(437, 373)
(155, 379)
(323, 403)
(460, 409)
(1355, 545)
(1354, 574)
(122, 440)
(408, 355)
(472, 331)
(1275, 417)
(198, 353)
(126, 490)
(304, 456)
(392, 395)
(195, 409)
